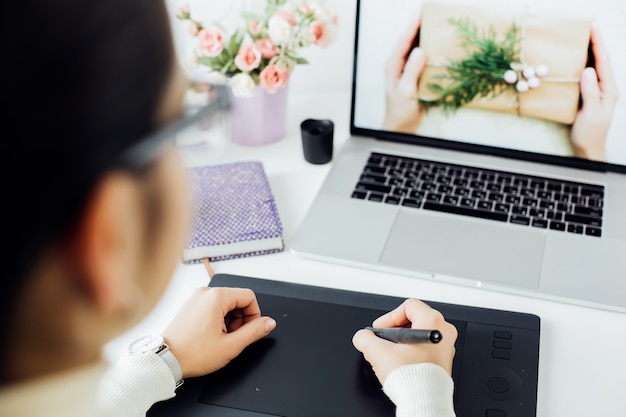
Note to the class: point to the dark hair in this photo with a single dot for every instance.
(85, 80)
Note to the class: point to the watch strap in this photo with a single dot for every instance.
(171, 361)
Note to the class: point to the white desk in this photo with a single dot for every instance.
(582, 368)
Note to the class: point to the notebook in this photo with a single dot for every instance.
(308, 367)
(494, 193)
(234, 213)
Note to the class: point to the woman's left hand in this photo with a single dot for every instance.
(213, 327)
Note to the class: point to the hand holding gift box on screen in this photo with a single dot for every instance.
(599, 96)
(535, 64)
(403, 113)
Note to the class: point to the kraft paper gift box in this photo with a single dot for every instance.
(546, 38)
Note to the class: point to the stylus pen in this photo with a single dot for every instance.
(402, 335)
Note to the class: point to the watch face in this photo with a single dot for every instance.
(146, 344)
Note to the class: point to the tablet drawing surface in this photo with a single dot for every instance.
(307, 366)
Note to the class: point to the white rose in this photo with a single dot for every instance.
(242, 84)
(279, 30)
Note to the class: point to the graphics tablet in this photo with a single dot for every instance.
(307, 367)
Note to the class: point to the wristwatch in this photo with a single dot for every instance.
(156, 344)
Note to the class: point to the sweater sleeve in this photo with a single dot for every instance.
(421, 390)
(134, 384)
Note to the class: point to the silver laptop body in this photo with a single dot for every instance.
(349, 225)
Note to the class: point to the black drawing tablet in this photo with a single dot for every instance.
(307, 367)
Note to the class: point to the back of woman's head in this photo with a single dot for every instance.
(85, 79)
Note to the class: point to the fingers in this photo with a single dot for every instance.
(249, 333)
(590, 88)
(412, 70)
(371, 346)
(240, 299)
(605, 76)
(243, 319)
(411, 311)
(395, 64)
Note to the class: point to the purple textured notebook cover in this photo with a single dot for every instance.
(232, 203)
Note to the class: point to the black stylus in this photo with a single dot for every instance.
(402, 335)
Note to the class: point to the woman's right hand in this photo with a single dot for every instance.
(385, 356)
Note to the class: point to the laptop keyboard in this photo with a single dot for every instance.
(524, 200)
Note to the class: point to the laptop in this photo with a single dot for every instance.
(472, 196)
(308, 367)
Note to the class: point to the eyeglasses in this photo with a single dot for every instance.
(215, 103)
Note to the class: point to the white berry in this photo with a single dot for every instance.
(510, 77)
(541, 71)
(529, 72)
(534, 82)
(521, 86)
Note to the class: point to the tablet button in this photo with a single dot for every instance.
(502, 334)
(501, 354)
(495, 413)
(501, 385)
(502, 344)
(498, 385)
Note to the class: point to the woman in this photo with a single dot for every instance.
(91, 242)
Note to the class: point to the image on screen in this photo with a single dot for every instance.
(539, 76)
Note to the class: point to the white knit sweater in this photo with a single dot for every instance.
(423, 390)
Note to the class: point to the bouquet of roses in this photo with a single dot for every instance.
(264, 51)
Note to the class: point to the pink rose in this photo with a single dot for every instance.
(267, 48)
(193, 29)
(273, 78)
(323, 34)
(248, 58)
(289, 16)
(255, 28)
(211, 41)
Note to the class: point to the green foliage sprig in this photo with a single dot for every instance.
(481, 73)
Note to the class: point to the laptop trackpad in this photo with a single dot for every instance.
(453, 246)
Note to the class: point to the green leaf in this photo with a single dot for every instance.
(235, 43)
(300, 61)
(203, 60)
(480, 73)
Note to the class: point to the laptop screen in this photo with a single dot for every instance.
(537, 79)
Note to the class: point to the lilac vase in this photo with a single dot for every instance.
(260, 119)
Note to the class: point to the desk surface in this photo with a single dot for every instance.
(582, 370)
